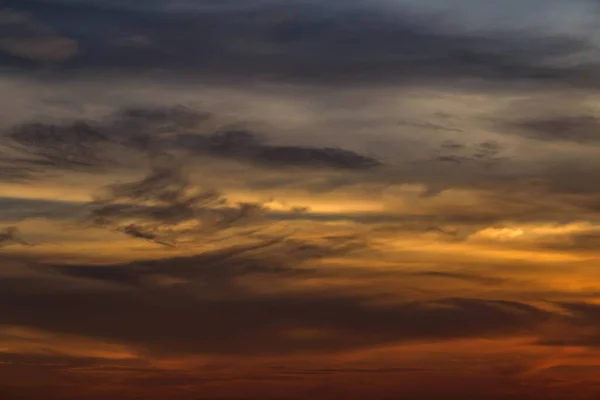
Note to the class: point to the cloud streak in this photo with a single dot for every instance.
(154, 132)
(163, 207)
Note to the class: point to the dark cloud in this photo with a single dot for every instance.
(134, 133)
(579, 327)
(95, 145)
(485, 154)
(277, 256)
(247, 146)
(306, 41)
(180, 320)
(57, 146)
(584, 129)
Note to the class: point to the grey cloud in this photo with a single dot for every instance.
(246, 146)
(57, 146)
(94, 145)
(485, 154)
(127, 135)
(17, 209)
(583, 129)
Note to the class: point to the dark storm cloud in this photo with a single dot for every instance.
(179, 320)
(94, 146)
(584, 129)
(305, 41)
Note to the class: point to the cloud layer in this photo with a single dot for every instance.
(303, 199)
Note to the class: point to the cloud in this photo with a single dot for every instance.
(477, 279)
(276, 256)
(304, 41)
(138, 133)
(578, 328)
(57, 146)
(246, 146)
(15, 210)
(15, 174)
(483, 154)
(177, 320)
(583, 129)
(163, 207)
(337, 181)
(582, 241)
(10, 236)
(24, 37)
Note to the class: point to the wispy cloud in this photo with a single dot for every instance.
(94, 146)
(163, 207)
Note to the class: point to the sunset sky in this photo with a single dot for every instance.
(299, 199)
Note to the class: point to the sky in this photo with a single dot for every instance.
(299, 199)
